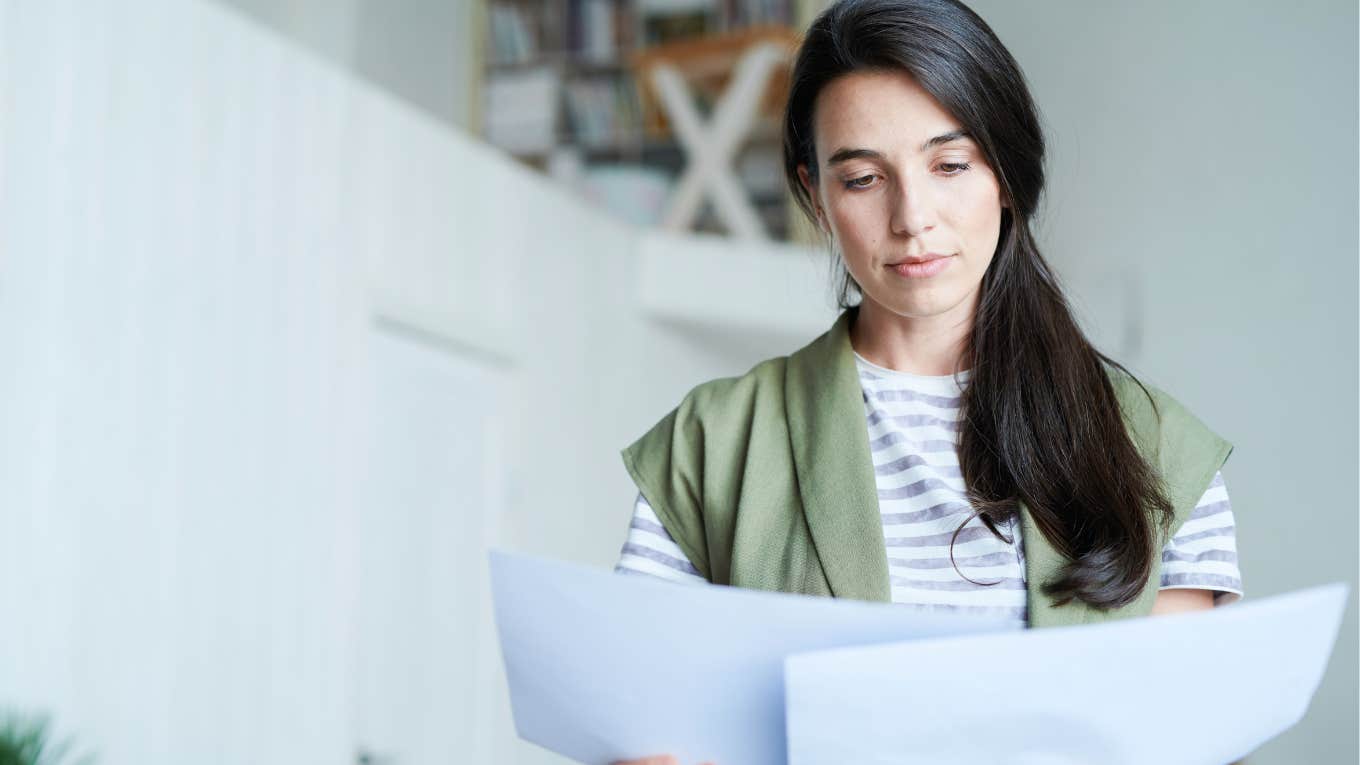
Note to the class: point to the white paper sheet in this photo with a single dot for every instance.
(604, 666)
(1203, 688)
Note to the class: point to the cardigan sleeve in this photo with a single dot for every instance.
(720, 454)
(666, 464)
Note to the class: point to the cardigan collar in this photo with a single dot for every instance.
(824, 407)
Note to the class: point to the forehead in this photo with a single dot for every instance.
(885, 110)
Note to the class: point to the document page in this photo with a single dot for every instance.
(1202, 688)
(605, 666)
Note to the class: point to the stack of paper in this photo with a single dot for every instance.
(604, 667)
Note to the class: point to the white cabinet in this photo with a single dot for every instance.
(429, 506)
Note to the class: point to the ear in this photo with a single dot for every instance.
(811, 189)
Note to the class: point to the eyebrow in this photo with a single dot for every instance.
(844, 155)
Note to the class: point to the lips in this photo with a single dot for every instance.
(926, 258)
(921, 267)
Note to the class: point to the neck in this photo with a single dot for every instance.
(930, 345)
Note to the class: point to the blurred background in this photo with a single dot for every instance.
(306, 303)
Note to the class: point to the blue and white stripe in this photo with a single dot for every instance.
(649, 549)
(913, 428)
(1203, 553)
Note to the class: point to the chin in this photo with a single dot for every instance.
(921, 311)
(922, 307)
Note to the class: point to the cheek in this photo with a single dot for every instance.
(858, 224)
(979, 215)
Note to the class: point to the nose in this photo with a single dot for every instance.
(913, 211)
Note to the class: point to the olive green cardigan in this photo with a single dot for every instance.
(766, 480)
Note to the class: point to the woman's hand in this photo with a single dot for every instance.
(653, 760)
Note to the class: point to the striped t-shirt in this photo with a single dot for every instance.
(913, 429)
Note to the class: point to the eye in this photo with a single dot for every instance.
(953, 168)
(859, 183)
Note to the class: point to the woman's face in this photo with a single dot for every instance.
(906, 193)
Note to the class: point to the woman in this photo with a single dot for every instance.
(954, 442)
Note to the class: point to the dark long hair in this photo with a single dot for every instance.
(1040, 421)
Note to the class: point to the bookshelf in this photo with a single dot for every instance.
(561, 80)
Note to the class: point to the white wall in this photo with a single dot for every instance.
(1203, 176)
(234, 282)
(174, 494)
(422, 51)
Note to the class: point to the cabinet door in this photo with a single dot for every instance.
(423, 647)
